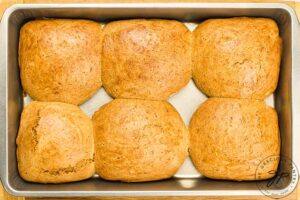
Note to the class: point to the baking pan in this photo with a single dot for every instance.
(187, 182)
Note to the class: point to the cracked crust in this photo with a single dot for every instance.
(60, 59)
(237, 57)
(55, 143)
(230, 137)
(146, 59)
(139, 140)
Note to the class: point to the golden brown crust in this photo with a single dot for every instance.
(230, 137)
(237, 57)
(60, 59)
(146, 59)
(55, 143)
(139, 140)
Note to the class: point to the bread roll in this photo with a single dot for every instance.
(237, 57)
(139, 140)
(146, 59)
(60, 59)
(55, 143)
(231, 137)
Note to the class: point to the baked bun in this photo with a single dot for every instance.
(60, 59)
(55, 143)
(237, 57)
(229, 138)
(139, 140)
(146, 59)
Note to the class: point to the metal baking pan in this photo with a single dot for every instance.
(187, 182)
